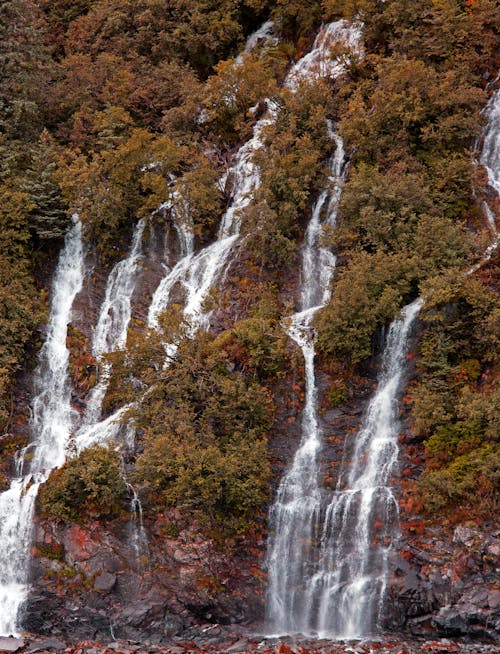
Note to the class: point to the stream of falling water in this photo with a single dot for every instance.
(110, 333)
(198, 272)
(328, 556)
(51, 423)
(490, 152)
(490, 159)
(295, 513)
(347, 590)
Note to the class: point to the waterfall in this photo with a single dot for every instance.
(263, 34)
(326, 577)
(329, 555)
(490, 159)
(52, 417)
(51, 423)
(139, 538)
(196, 273)
(361, 520)
(490, 153)
(110, 334)
(294, 517)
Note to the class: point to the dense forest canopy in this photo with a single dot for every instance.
(111, 108)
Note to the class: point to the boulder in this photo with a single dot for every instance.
(11, 644)
(105, 582)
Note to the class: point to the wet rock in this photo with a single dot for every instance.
(451, 622)
(422, 626)
(172, 625)
(493, 548)
(494, 599)
(11, 644)
(239, 646)
(48, 644)
(440, 647)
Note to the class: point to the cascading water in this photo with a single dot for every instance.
(295, 514)
(51, 424)
(490, 159)
(329, 557)
(53, 419)
(198, 272)
(490, 153)
(347, 589)
(264, 33)
(325, 577)
(110, 334)
(294, 517)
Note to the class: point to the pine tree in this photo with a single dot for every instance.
(48, 219)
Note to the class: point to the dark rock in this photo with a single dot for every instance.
(105, 582)
(494, 599)
(449, 621)
(50, 643)
(464, 535)
(172, 625)
(421, 626)
(239, 646)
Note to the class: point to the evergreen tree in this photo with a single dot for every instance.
(48, 219)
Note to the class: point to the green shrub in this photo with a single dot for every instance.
(472, 480)
(87, 486)
(367, 294)
(205, 424)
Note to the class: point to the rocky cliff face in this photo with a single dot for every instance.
(90, 582)
(448, 583)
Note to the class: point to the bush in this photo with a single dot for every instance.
(90, 485)
(471, 481)
(367, 294)
(205, 424)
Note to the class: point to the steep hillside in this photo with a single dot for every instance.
(219, 211)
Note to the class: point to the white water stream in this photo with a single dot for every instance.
(490, 152)
(295, 513)
(51, 424)
(110, 335)
(490, 159)
(198, 272)
(328, 554)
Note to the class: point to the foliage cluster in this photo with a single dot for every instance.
(112, 108)
(204, 421)
(90, 485)
(409, 115)
(456, 399)
(291, 168)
